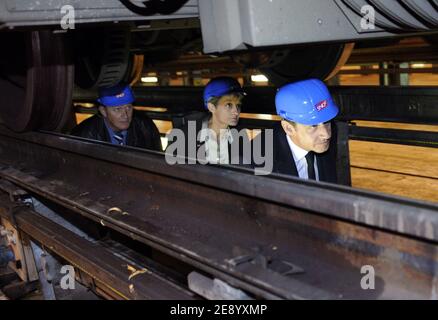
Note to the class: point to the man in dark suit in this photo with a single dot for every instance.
(117, 123)
(301, 144)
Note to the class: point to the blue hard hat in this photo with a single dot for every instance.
(306, 102)
(118, 95)
(221, 86)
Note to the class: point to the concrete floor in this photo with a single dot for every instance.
(406, 171)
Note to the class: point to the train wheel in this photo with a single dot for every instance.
(36, 81)
(102, 57)
(298, 63)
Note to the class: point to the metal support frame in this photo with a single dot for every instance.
(392, 104)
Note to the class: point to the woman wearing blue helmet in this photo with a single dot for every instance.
(218, 139)
(301, 142)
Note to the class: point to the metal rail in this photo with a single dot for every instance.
(110, 273)
(393, 104)
(252, 232)
(395, 136)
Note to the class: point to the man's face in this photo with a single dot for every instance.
(227, 111)
(118, 118)
(310, 138)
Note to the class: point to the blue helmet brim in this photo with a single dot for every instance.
(117, 98)
(313, 118)
(224, 92)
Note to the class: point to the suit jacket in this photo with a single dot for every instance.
(142, 133)
(283, 161)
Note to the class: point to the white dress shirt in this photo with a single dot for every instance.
(215, 153)
(299, 155)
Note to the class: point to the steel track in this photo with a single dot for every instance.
(241, 228)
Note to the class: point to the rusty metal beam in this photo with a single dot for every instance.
(210, 217)
(110, 272)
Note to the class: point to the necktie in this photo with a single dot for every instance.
(119, 139)
(310, 158)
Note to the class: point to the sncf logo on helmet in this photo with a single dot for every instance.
(118, 95)
(322, 105)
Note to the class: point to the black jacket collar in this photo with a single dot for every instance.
(284, 161)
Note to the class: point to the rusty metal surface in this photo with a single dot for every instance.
(208, 217)
(110, 271)
(410, 217)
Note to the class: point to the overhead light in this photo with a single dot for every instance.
(259, 78)
(149, 79)
(418, 65)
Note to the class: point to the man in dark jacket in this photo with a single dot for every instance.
(117, 123)
(301, 143)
